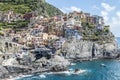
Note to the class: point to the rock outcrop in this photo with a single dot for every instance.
(3, 72)
(59, 63)
(85, 49)
(56, 63)
(12, 68)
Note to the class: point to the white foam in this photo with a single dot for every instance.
(70, 72)
(70, 69)
(62, 72)
(72, 64)
(79, 72)
(67, 72)
(42, 76)
(20, 76)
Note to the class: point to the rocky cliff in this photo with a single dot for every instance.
(86, 49)
(12, 68)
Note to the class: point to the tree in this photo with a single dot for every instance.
(106, 29)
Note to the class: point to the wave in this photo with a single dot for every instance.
(19, 77)
(69, 72)
(42, 76)
(71, 69)
(72, 64)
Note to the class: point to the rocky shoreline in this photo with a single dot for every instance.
(57, 68)
(74, 51)
(40, 40)
(12, 76)
(43, 65)
(7, 76)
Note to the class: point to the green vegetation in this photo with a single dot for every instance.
(89, 32)
(24, 6)
(51, 10)
(106, 29)
(16, 8)
(14, 25)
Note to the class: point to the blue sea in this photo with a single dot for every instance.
(93, 71)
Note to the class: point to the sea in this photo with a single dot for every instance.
(103, 69)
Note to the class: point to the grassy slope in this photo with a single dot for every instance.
(16, 8)
(28, 7)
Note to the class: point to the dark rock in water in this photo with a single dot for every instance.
(76, 70)
(58, 68)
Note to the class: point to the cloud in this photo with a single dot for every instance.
(73, 8)
(69, 9)
(114, 21)
(96, 7)
(118, 14)
(105, 15)
(115, 24)
(107, 7)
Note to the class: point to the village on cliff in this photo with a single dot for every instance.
(46, 35)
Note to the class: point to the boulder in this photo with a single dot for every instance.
(58, 68)
(58, 60)
(59, 63)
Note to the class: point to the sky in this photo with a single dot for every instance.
(109, 9)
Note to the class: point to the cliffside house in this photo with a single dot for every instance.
(10, 16)
(72, 33)
(99, 22)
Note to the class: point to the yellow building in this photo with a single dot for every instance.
(45, 36)
(53, 37)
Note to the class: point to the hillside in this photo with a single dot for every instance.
(21, 7)
(24, 6)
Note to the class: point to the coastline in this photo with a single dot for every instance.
(18, 76)
(37, 39)
(42, 75)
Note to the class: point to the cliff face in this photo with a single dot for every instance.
(85, 49)
(11, 67)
